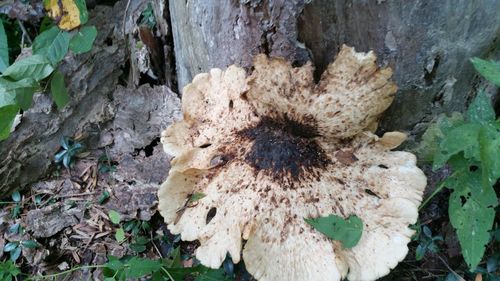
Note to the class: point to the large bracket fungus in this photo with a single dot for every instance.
(274, 148)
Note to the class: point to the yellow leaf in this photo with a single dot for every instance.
(64, 12)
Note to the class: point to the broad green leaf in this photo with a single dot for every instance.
(436, 132)
(15, 254)
(30, 244)
(120, 235)
(174, 260)
(36, 67)
(53, 44)
(471, 212)
(481, 110)
(10, 246)
(489, 140)
(7, 115)
(58, 90)
(114, 263)
(348, 231)
(489, 69)
(4, 49)
(140, 267)
(462, 138)
(83, 40)
(22, 91)
(82, 7)
(114, 216)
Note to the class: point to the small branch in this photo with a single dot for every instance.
(50, 276)
(449, 268)
(25, 32)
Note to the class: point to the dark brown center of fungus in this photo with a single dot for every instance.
(284, 149)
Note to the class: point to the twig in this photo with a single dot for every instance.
(154, 245)
(53, 276)
(125, 17)
(449, 268)
(25, 32)
(76, 195)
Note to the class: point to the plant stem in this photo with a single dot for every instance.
(168, 274)
(42, 277)
(428, 199)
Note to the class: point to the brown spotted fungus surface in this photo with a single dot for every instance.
(270, 149)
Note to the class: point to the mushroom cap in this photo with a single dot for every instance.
(274, 148)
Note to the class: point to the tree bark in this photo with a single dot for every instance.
(427, 43)
(29, 151)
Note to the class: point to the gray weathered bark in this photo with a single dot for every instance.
(28, 153)
(427, 43)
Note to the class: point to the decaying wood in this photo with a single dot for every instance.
(28, 153)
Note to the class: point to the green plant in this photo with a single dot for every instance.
(427, 243)
(15, 248)
(115, 218)
(16, 198)
(8, 271)
(470, 146)
(19, 81)
(70, 149)
(106, 165)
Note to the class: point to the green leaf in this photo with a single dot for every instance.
(348, 231)
(197, 196)
(489, 69)
(213, 275)
(82, 7)
(22, 90)
(52, 43)
(83, 40)
(136, 247)
(9, 269)
(420, 251)
(4, 49)
(140, 267)
(174, 259)
(435, 133)
(114, 216)
(462, 138)
(120, 235)
(10, 246)
(17, 92)
(481, 110)
(58, 90)
(36, 67)
(471, 212)
(114, 263)
(30, 244)
(104, 196)
(489, 141)
(15, 254)
(7, 115)
(16, 196)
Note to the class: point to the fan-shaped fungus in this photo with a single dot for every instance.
(274, 148)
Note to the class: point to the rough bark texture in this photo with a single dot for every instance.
(28, 153)
(427, 43)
